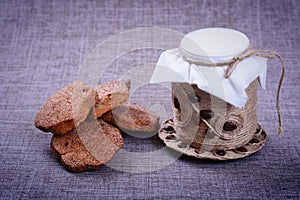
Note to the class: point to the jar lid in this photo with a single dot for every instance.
(213, 42)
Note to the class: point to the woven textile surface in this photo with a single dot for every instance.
(44, 43)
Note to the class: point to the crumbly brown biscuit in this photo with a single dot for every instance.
(90, 145)
(66, 109)
(132, 117)
(111, 95)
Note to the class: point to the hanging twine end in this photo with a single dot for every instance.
(280, 130)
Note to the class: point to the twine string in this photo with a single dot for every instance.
(232, 64)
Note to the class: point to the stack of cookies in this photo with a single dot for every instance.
(85, 123)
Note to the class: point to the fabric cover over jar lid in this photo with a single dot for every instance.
(212, 45)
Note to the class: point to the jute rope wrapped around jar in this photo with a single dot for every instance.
(188, 118)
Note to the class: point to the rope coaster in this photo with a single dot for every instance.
(167, 133)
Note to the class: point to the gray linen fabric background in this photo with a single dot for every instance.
(43, 44)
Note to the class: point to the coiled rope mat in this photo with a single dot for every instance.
(168, 135)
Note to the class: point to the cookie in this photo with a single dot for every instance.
(66, 109)
(89, 146)
(132, 117)
(111, 95)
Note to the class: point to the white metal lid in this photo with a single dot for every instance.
(213, 42)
